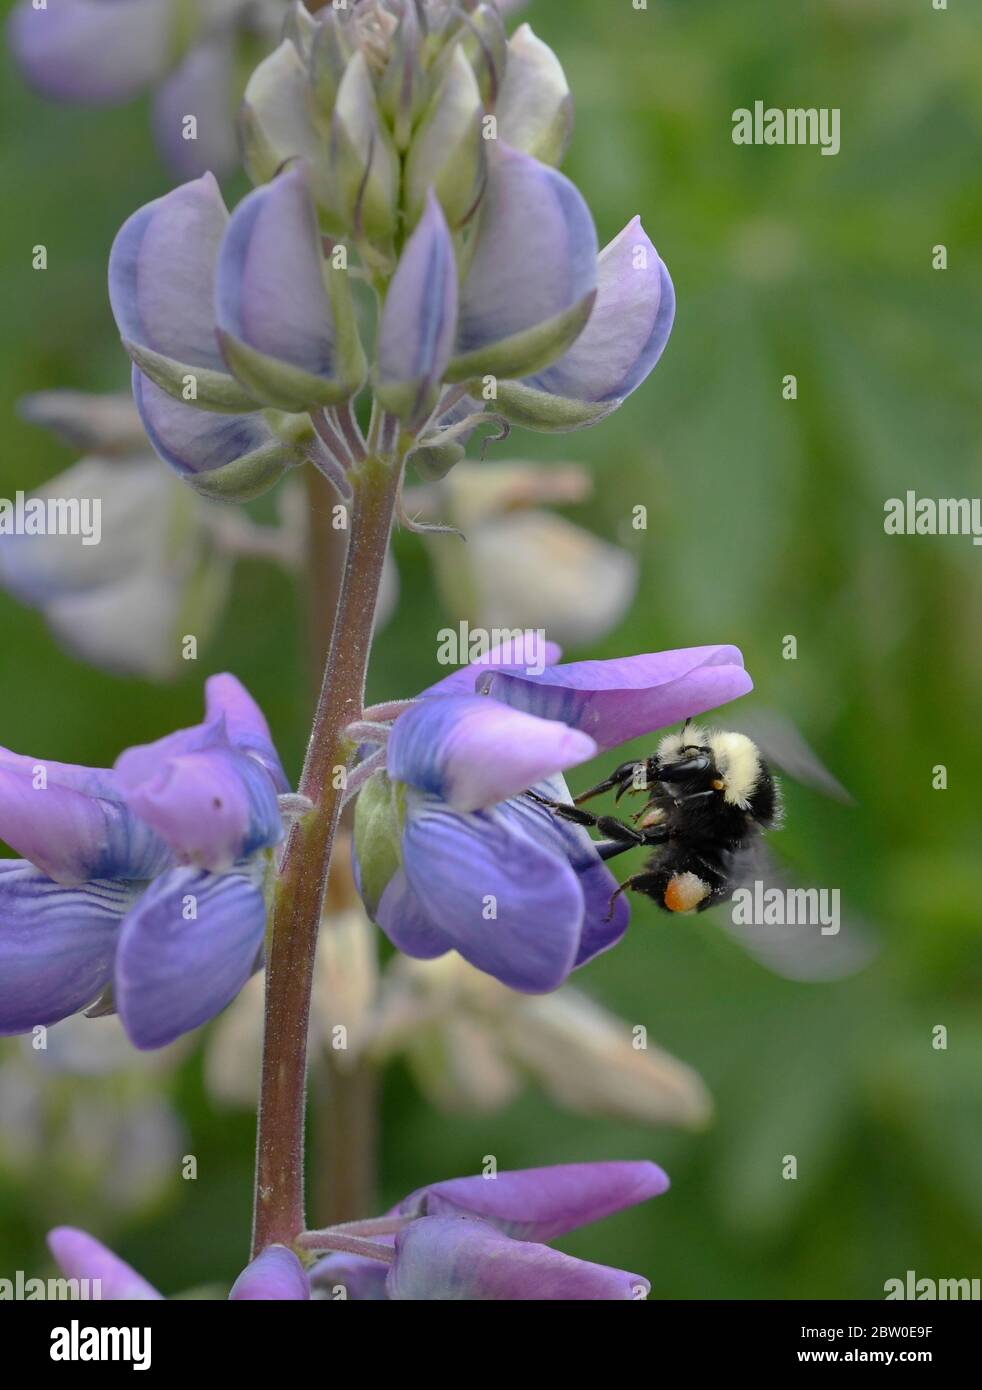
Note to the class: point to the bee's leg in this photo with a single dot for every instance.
(623, 837)
(635, 881)
(622, 778)
(564, 810)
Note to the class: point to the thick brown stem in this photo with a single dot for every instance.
(279, 1201)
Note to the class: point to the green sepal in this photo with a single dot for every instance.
(216, 391)
(379, 816)
(549, 414)
(247, 477)
(280, 384)
(350, 361)
(524, 354)
(436, 460)
(290, 427)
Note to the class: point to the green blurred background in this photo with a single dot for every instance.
(764, 519)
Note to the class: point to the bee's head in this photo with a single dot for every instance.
(738, 771)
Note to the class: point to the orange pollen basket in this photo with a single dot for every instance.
(685, 892)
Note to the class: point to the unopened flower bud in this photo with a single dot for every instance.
(419, 321)
(278, 121)
(535, 108)
(485, 43)
(365, 162)
(448, 149)
(274, 314)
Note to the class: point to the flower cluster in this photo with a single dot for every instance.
(142, 886)
(451, 856)
(409, 149)
(471, 1239)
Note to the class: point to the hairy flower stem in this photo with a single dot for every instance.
(279, 1199)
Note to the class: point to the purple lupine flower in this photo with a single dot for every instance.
(466, 1239)
(617, 351)
(275, 1275)
(452, 856)
(145, 879)
(483, 1238)
(94, 53)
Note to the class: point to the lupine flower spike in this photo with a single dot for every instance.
(408, 151)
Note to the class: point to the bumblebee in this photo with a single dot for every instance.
(710, 795)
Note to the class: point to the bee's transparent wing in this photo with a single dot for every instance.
(797, 932)
(785, 747)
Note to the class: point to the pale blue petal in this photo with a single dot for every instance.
(510, 907)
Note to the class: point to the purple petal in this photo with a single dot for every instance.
(526, 652)
(534, 264)
(510, 907)
(419, 319)
(81, 1256)
(450, 1258)
(474, 752)
(195, 441)
(405, 921)
(605, 919)
(541, 1203)
(93, 781)
(71, 836)
(161, 270)
(185, 951)
(270, 296)
(201, 87)
(211, 803)
(627, 330)
(56, 945)
(88, 51)
(245, 723)
(274, 1276)
(614, 701)
(359, 1278)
